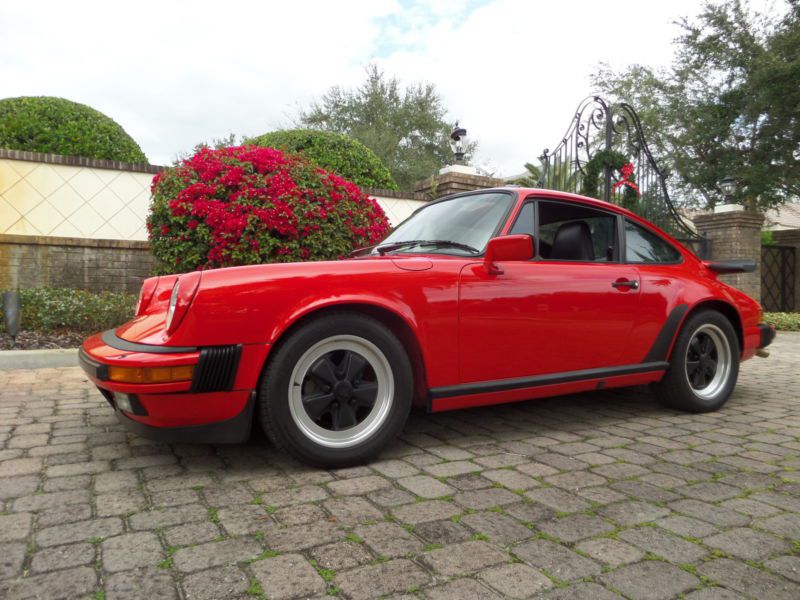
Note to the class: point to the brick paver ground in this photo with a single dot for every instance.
(595, 497)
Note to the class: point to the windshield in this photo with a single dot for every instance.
(469, 221)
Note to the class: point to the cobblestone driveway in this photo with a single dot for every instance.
(592, 496)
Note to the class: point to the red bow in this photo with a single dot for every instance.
(627, 172)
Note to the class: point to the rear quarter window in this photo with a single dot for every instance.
(645, 247)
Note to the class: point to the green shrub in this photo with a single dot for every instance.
(783, 321)
(59, 126)
(247, 205)
(334, 152)
(59, 309)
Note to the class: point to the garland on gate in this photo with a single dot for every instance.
(617, 162)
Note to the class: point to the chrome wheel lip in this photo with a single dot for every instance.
(724, 362)
(384, 377)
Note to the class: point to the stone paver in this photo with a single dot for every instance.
(579, 497)
(288, 576)
(515, 580)
(651, 580)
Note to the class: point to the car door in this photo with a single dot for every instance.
(572, 308)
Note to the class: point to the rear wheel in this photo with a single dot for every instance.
(337, 390)
(704, 365)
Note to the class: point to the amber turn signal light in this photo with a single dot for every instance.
(150, 374)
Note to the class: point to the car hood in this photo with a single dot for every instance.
(260, 295)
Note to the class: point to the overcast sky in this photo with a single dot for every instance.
(177, 73)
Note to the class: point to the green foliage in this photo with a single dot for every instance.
(334, 152)
(531, 178)
(57, 309)
(59, 126)
(728, 105)
(596, 166)
(406, 127)
(767, 239)
(783, 321)
(246, 205)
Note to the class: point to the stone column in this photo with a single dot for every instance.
(791, 237)
(735, 235)
(454, 179)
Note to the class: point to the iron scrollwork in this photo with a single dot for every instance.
(599, 125)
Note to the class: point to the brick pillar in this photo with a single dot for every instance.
(454, 179)
(735, 235)
(791, 237)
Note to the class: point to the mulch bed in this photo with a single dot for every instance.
(32, 340)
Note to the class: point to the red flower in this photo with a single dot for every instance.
(256, 203)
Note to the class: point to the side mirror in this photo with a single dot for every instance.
(507, 248)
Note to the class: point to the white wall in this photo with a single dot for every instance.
(38, 198)
(44, 199)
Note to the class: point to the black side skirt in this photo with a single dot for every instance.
(503, 385)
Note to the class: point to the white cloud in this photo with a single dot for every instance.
(177, 73)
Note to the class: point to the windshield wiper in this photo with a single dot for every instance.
(448, 243)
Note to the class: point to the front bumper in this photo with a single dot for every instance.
(216, 406)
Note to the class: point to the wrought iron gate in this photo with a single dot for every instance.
(597, 126)
(778, 272)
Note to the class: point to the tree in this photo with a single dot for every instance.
(406, 127)
(728, 105)
(531, 178)
(333, 152)
(59, 126)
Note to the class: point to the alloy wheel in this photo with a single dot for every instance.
(341, 391)
(708, 361)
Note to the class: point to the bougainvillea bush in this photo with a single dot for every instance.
(246, 205)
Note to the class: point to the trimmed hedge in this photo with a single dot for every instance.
(59, 309)
(59, 126)
(783, 321)
(334, 152)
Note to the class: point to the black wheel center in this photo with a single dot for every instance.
(339, 390)
(701, 361)
(343, 391)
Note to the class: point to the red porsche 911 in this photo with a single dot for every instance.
(479, 298)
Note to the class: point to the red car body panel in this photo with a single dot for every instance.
(470, 328)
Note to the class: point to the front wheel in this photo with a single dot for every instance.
(704, 365)
(337, 390)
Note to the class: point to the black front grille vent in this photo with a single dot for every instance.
(216, 370)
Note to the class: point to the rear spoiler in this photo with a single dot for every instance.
(724, 267)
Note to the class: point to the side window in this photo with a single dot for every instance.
(643, 246)
(524, 222)
(575, 232)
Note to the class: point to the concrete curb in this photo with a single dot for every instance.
(38, 359)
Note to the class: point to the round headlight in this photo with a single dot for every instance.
(173, 302)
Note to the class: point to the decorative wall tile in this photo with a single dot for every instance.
(72, 201)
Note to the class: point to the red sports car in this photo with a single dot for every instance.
(479, 298)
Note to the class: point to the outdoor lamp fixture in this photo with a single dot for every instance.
(457, 143)
(727, 185)
(11, 313)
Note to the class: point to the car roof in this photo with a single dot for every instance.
(544, 193)
(524, 192)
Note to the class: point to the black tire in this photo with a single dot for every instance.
(282, 402)
(689, 384)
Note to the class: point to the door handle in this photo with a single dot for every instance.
(626, 283)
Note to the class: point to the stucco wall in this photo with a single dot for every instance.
(52, 195)
(80, 223)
